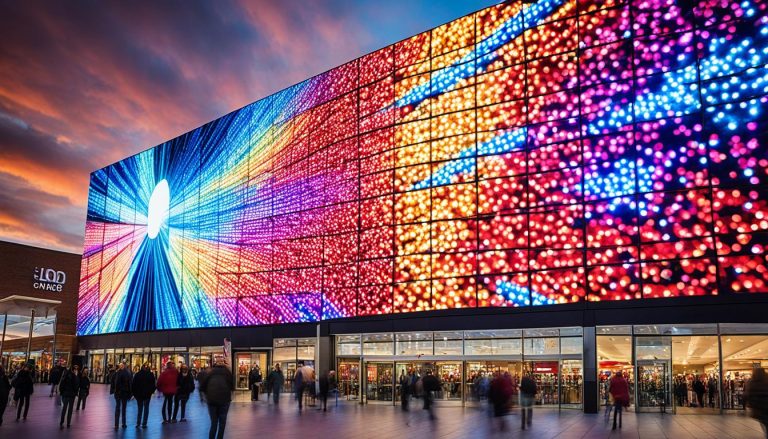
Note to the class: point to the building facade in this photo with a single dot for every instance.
(558, 187)
(44, 280)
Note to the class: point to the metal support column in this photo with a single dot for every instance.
(53, 350)
(591, 390)
(2, 340)
(29, 340)
(720, 372)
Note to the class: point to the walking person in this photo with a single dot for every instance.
(254, 381)
(405, 390)
(23, 387)
(217, 386)
(607, 399)
(527, 396)
(184, 387)
(699, 389)
(54, 378)
(5, 391)
(142, 387)
(275, 382)
(166, 384)
(300, 382)
(69, 388)
(85, 389)
(200, 376)
(756, 397)
(620, 393)
(500, 394)
(431, 384)
(712, 391)
(121, 389)
(327, 384)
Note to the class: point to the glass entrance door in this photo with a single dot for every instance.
(349, 379)
(245, 362)
(545, 373)
(448, 372)
(480, 373)
(653, 385)
(653, 362)
(379, 381)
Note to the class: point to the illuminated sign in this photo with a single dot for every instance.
(48, 279)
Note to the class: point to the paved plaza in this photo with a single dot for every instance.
(350, 420)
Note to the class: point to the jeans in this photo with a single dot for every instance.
(179, 401)
(218, 414)
(526, 410)
(67, 403)
(300, 395)
(276, 395)
(618, 407)
(167, 407)
(81, 399)
(428, 403)
(23, 402)
(3, 405)
(142, 412)
(120, 405)
(255, 392)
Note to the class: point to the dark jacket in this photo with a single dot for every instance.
(5, 387)
(121, 384)
(275, 381)
(528, 386)
(185, 385)
(756, 395)
(431, 383)
(698, 387)
(69, 384)
(143, 385)
(254, 377)
(85, 386)
(55, 376)
(217, 386)
(23, 384)
(326, 383)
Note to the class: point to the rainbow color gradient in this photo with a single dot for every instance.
(527, 154)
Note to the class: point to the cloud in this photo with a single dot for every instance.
(86, 83)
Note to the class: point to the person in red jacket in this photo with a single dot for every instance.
(619, 389)
(167, 385)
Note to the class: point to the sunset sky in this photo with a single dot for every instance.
(86, 83)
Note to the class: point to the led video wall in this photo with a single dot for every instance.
(528, 154)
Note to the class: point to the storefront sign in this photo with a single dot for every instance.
(545, 367)
(48, 279)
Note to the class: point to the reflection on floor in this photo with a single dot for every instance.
(351, 420)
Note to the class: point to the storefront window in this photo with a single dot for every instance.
(305, 352)
(448, 343)
(614, 354)
(541, 346)
(493, 342)
(348, 345)
(741, 354)
(414, 344)
(695, 368)
(571, 345)
(378, 344)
